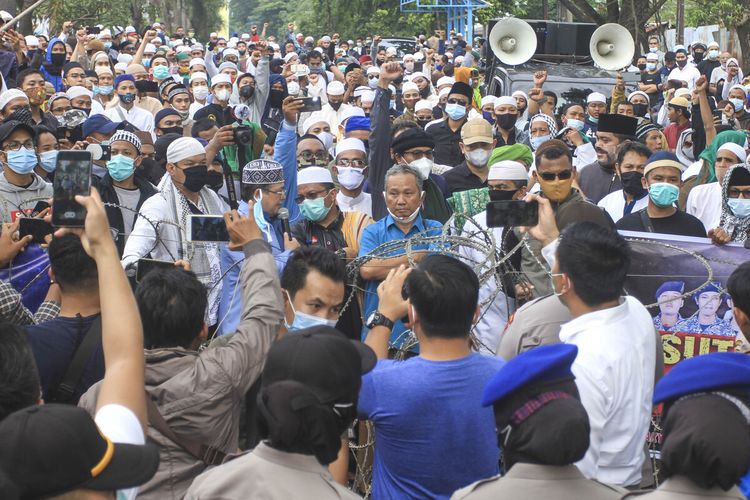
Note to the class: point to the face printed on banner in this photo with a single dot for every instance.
(670, 303)
(708, 304)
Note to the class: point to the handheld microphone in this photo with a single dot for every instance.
(284, 217)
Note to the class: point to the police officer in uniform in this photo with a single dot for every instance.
(542, 430)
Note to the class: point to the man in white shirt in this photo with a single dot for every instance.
(126, 110)
(333, 110)
(351, 170)
(704, 201)
(616, 348)
(631, 160)
(684, 71)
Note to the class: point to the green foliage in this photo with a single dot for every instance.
(706, 12)
(89, 12)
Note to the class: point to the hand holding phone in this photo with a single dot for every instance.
(38, 229)
(310, 104)
(72, 178)
(209, 228)
(512, 213)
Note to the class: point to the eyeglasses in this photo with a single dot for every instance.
(351, 163)
(734, 192)
(280, 193)
(419, 154)
(15, 146)
(312, 195)
(317, 155)
(457, 101)
(563, 176)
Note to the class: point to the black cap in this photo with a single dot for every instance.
(617, 124)
(323, 359)
(161, 145)
(352, 66)
(7, 128)
(52, 449)
(146, 86)
(463, 89)
(670, 56)
(412, 138)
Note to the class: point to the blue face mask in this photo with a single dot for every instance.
(663, 194)
(314, 210)
(653, 50)
(594, 119)
(161, 72)
(260, 219)
(739, 207)
(127, 98)
(107, 45)
(146, 63)
(48, 160)
(302, 320)
(738, 104)
(538, 141)
(575, 124)
(650, 66)
(455, 111)
(105, 89)
(120, 167)
(487, 115)
(22, 161)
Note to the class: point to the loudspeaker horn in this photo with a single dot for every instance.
(612, 47)
(513, 41)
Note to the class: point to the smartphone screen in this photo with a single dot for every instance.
(512, 213)
(145, 266)
(34, 227)
(207, 228)
(310, 104)
(72, 177)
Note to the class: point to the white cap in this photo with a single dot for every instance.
(289, 56)
(11, 94)
(351, 111)
(520, 93)
(184, 147)
(446, 80)
(72, 92)
(422, 104)
(391, 51)
(445, 91)
(507, 170)
(220, 78)
(409, 86)
(121, 66)
(124, 58)
(419, 56)
(652, 57)
(679, 47)
(335, 88)
(104, 32)
(150, 48)
(488, 99)
(5, 16)
(350, 144)
(506, 100)
(130, 29)
(31, 41)
(410, 57)
(681, 92)
(360, 90)
(245, 36)
(738, 150)
(418, 74)
(368, 96)
(230, 52)
(638, 92)
(459, 60)
(197, 61)
(315, 117)
(713, 44)
(373, 70)
(198, 75)
(213, 34)
(325, 38)
(596, 97)
(314, 175)
(103, 70)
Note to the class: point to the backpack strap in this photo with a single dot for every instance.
(64, 392)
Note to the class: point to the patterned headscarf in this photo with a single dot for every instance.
(736, 227)
(541, 117)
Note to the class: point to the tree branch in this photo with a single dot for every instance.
(582, 10)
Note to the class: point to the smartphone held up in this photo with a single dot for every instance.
(72, 177)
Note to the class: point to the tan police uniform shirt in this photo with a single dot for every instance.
(681, 488)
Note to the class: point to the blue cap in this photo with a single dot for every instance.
(670, 286)
(707, 372)
(98, 123)
(710, 287)
(541, 364)
(357, 123)
(123, 78)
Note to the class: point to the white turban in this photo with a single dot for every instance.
(78, 91)
(9, 95)
(184, 147)
(507, 170)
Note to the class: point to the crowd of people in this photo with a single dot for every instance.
(261, 366)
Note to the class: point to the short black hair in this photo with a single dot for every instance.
(19, 378)
(247, 191)
(738, 286)
(632, 147)
(23, 74)
(172, 303)
(549, 93)
(306, 258)
(444, 292)
(569, 105)
(552, 151)
(596, 259)
(202, 125)
(74, 270)
(41, 129)
(403, 125)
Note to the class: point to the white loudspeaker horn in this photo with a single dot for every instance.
(513, 41)
(612, 47)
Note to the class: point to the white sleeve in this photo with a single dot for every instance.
(585, 155)
(549, 251)
(143, 236)
(120, 425)
(594, 399)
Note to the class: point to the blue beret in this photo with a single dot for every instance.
(707, 372)
(357, 123)
(122, 78)
(670, 286)
(662, 155)
(541, 364)
(710, 287)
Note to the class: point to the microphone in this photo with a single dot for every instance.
(284, 217)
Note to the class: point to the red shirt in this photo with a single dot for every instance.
(672, 133)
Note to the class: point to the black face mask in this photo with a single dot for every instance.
(85, 110)
(423, 123)
(642, 67)
(22, 115)
(631, 183)
(276, 97)
(682, 63)
(640, 109)
(496, 195)
(195, 178)
(698, 56)
(214, 179)
(335, 105)
(58, 59)
(425, 92)
(247, 91)
(171, 130)
(506, 121)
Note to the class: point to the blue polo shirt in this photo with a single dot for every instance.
(376, 234)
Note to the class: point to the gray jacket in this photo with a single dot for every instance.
(14, 198)
(201, 394)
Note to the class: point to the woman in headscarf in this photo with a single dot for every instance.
(272, 114)
(734, 223)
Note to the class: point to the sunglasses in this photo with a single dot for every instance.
(457, 101)
(563, 176)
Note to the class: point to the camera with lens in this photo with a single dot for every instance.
(243, 135)
(99, 152)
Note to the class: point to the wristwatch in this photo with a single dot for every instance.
(377, 319)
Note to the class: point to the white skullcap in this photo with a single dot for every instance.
(316, 117)
(76, 91)
(350, 144)
(124, 58)
(506, 100)
(368, 96)
(351, 111)
(220, 78)
(737, 86)
(373, 70)
(679, 47)
(289, 56)
(507, 170)
(445, 80)
(422, 104)
(652, 57)
(314, 175)
(335, 88)
(640, 93)
(197, 46)
(419, 56)
(245, 36)
(197, 61)
(121, 67)
(31, 40)
(325, 38)
(10, 94)
(391, 51)
(488, 99)
(681, 92)
(445, 91)
(213, 34)
(738, 150)
(360, 90)
(227, 65)
(150, 48)
(520, 93)
(104, 32)
(130, 29)
(184, 147)
(409, 56)
(197, 75)
(713, 44)
(459, 60)
(234, 39)
(103, 70)
(596, 97)
(407, 86)
(230, 52)
(418, 74)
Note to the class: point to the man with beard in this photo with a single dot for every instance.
(334, 109)
(631, 160)
(598, 179)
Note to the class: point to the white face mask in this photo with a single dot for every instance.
(292, 88)
(478, 158)
(200, 93)
(222, 94)
(405, 220)
(350, 177)
(326, 138)
(423, 166)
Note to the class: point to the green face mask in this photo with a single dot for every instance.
(314, 210)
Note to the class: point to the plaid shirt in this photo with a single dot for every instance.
(13, 311)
